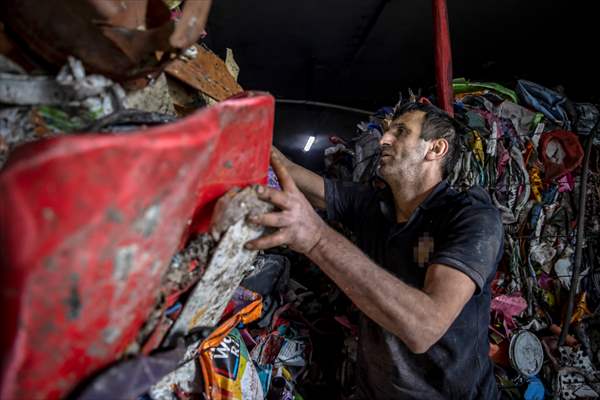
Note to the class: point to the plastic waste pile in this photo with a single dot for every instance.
(240, 326)
(235, 327)
(526, 147)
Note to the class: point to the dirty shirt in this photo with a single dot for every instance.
(461, 230)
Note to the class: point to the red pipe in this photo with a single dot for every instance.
(443, 56)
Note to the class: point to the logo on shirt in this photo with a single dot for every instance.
(423, 250)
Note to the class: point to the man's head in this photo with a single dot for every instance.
(419, 137)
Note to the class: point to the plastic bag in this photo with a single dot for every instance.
(227, 368)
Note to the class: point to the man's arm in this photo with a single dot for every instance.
(309, 183)
(418, 317)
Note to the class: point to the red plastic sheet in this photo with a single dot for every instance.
(88, 226)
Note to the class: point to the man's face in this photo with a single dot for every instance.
(402, 148)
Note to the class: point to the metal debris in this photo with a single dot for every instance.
(227, 267)
(154, 98)
(198, 251)
(44, 106)
(71, 87)
(124, 34)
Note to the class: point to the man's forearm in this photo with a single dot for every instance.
(310, 184)
(407, 312)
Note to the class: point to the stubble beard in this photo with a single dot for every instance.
(400, 171)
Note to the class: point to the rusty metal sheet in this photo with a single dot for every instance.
(116, 38)
(191, 25)
(206, 73)
(89, 224)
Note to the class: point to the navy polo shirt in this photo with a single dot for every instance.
(461, 230)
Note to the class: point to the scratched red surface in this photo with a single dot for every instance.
(89, 223)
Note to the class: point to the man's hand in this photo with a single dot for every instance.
(300, 227)
(275, 153)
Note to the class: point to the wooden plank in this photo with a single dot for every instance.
(206, 73)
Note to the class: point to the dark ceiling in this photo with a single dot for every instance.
(362, 53)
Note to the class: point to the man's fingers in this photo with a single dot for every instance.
(276, 153)
(274, 219)
(276, 197)
(285, 179)
(266, 242)
(226, 198)
(218, 222)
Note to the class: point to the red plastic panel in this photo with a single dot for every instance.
(88, 226)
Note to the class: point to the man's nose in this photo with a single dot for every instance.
(386, 139)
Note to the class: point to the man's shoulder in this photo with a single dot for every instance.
(474, 205)
(474, 197)
(346, 199)
(349, 186)
(479, 196)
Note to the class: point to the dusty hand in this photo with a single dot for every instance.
(275, 153)
(299, 225)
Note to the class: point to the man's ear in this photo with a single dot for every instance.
(437, 149)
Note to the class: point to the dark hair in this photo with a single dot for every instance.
(436, 124)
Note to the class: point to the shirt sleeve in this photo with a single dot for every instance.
(346, 201)
(472, 243)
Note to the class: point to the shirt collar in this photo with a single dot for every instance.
(437, 196)
(435, 199)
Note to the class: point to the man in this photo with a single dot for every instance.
(422, 274)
